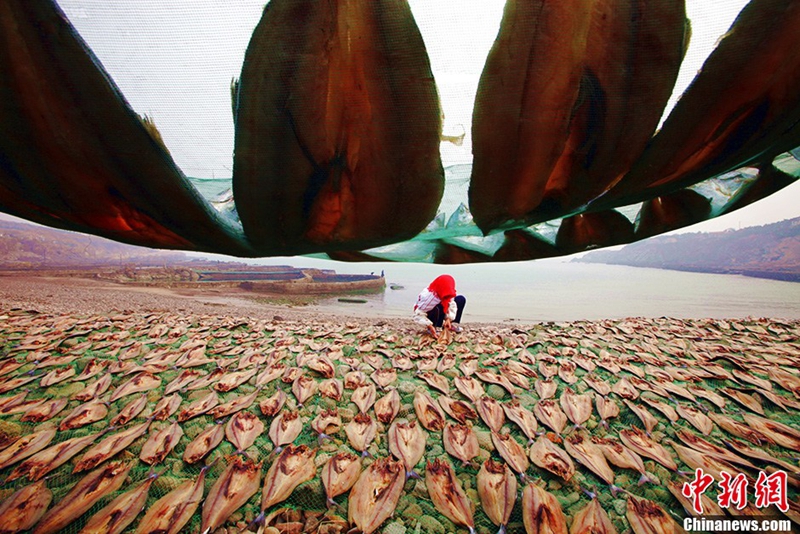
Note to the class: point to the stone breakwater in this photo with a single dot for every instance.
(317, 424)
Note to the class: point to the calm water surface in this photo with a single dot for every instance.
(554, 290)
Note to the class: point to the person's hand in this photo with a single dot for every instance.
(447, 323)
(432, 330)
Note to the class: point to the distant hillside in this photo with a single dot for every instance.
(770, 251)
(28, 246)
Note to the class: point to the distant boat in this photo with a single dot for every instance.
(396, 286)
(354, 301)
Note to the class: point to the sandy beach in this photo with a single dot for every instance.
(293, 408)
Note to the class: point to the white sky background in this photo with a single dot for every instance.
(174, 61)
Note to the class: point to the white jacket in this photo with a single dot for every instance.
(426, 301)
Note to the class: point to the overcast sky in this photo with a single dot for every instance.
(174, 60)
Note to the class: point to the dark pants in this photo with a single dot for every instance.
(437, 315)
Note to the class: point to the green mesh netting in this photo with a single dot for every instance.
(649, 348)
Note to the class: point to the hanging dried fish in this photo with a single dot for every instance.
(339, 474)
(547, 455)
(699, 444)
(91, 488)
(205, 442)
(447, 494)
(361, 432)
(375, 494)
(461, 442)
(387, 407)
(234, 487)
(541, 512)
(285, 428)
(184, 378)
(272, 405)
(294, 466)
(160, 444)
(109, 446)
(234, 405)
(115, 517)
(23, 509)
(407, 443)
(428, 411)
(243, 429)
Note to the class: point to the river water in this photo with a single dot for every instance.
(557, 290)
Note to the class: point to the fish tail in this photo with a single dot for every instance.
(412, 474)
(365, 454)
(501, 531)
(258, 522)
(592, 495)
(322, 437)
(644, 479)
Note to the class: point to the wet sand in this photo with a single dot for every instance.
(70, 295)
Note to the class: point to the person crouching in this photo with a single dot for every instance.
(439, 306)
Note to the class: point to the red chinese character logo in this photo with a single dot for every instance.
(771, 489)
(693, 490)
(734, 491)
